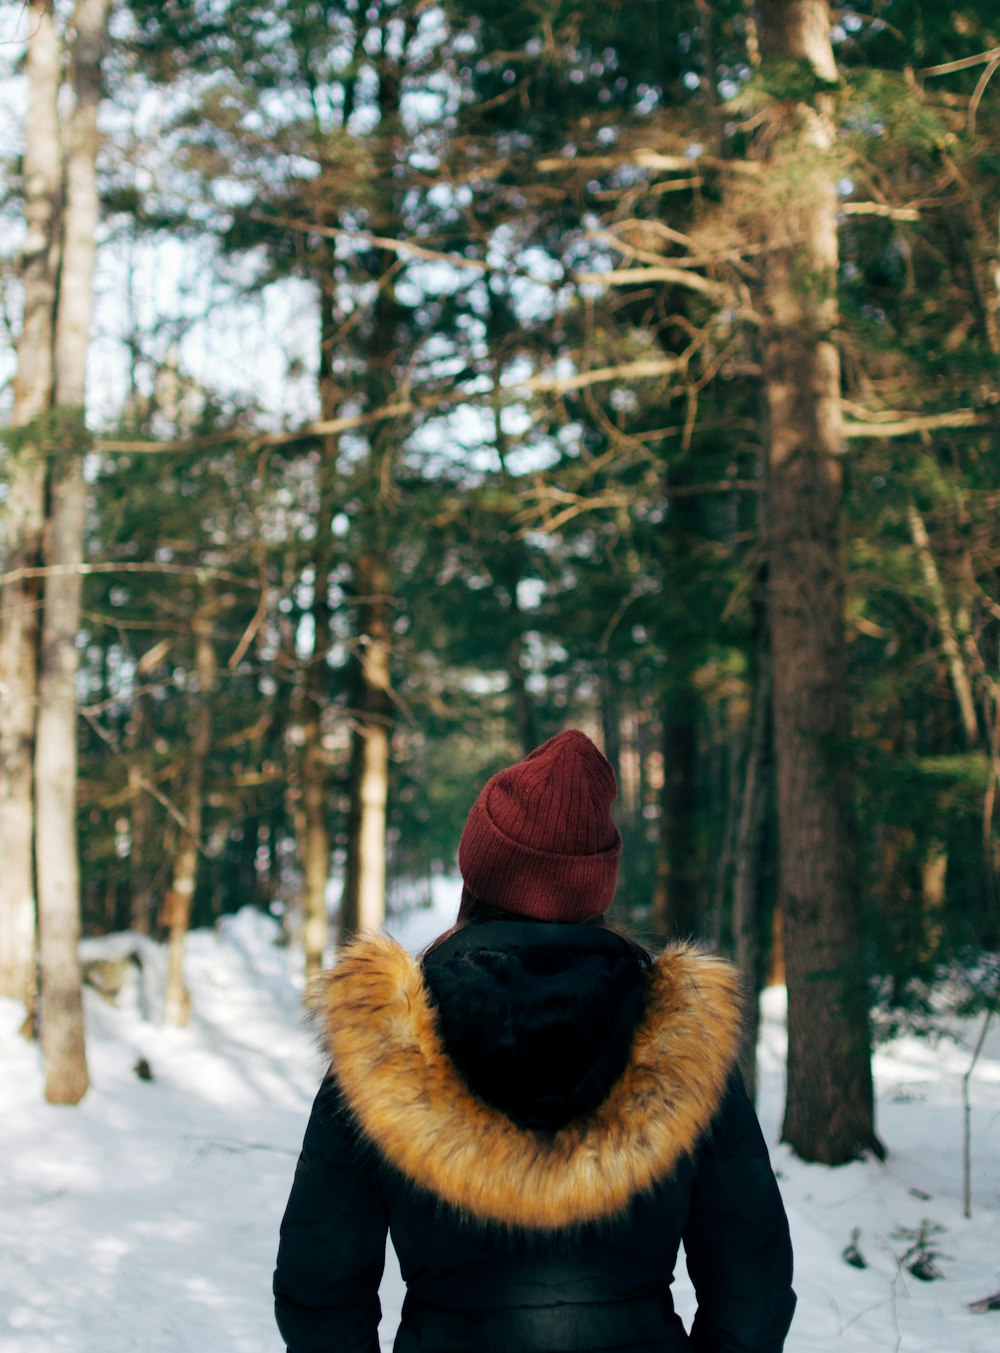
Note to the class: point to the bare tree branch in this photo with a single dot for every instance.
(964, 64)
(679, 276)
(644, 369)
(198, 571)
(907, 424)
(879, 209)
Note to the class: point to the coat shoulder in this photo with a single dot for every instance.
(410, 1102)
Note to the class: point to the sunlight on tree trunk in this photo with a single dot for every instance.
(179, 899)
(24, 511)
(137, 735)
(57, 860)
(315, 848)
(960, 681)
(933, 872)
(829, 1112)
(363, 904)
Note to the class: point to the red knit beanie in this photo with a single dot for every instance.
(539, 840)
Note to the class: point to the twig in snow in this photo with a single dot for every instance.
(967, 1117)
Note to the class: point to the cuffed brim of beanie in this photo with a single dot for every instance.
(534, 883)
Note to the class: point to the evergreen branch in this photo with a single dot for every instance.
(143, 781)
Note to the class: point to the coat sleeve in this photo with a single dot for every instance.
(332, 1247)
(736, 1240)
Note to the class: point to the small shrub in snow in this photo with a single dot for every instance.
(921, 1257)
(851, 1253)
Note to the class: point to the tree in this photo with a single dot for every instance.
(66, 1077)
(25, 507)
(829, 1113)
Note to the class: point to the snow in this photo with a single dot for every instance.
(147, 1217)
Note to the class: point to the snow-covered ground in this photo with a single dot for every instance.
(147, 1217)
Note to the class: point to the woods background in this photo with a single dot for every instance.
(466, 371)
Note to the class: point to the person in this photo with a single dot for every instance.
(538, 1112)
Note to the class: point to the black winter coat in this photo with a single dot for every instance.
(539, 1115)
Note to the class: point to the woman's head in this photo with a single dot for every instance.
(539, 841)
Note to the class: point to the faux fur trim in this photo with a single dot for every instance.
(410, 1102)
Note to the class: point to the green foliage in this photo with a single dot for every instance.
(589, 555)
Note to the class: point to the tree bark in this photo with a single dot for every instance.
(676, 911)
(363, 900)
(829, 1112)
(957, 670)
(25, 509)
(509, 564)
(140, 817)
(57, 859)
(180, 897)
(747, 867)
(363, 903)
(315, 798)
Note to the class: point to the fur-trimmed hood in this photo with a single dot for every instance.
(411, 1102)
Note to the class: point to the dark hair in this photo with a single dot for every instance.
(471, 911)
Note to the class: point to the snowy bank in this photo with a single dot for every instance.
(147, 1217)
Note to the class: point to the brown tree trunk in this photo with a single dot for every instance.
(508, 568)
(829, 1113)
(180, 897)
(363, 903)
(676, 909)
(57, 861)
(315, 849)
(25, 509)
(933, 873)
(611, 725)
(140, 818)
(56, 850)
(748, 862)
(363, 900)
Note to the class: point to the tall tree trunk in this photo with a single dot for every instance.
(363, 900)
(829, 1112)
(363, 903)
(508, 569)
(25, 509)
(676, 909)
(140, 817)
(748, 862)
(57, 859)
(611, 724)
(315, 798)
(180, 897)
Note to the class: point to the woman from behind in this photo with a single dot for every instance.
(538, 1112)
